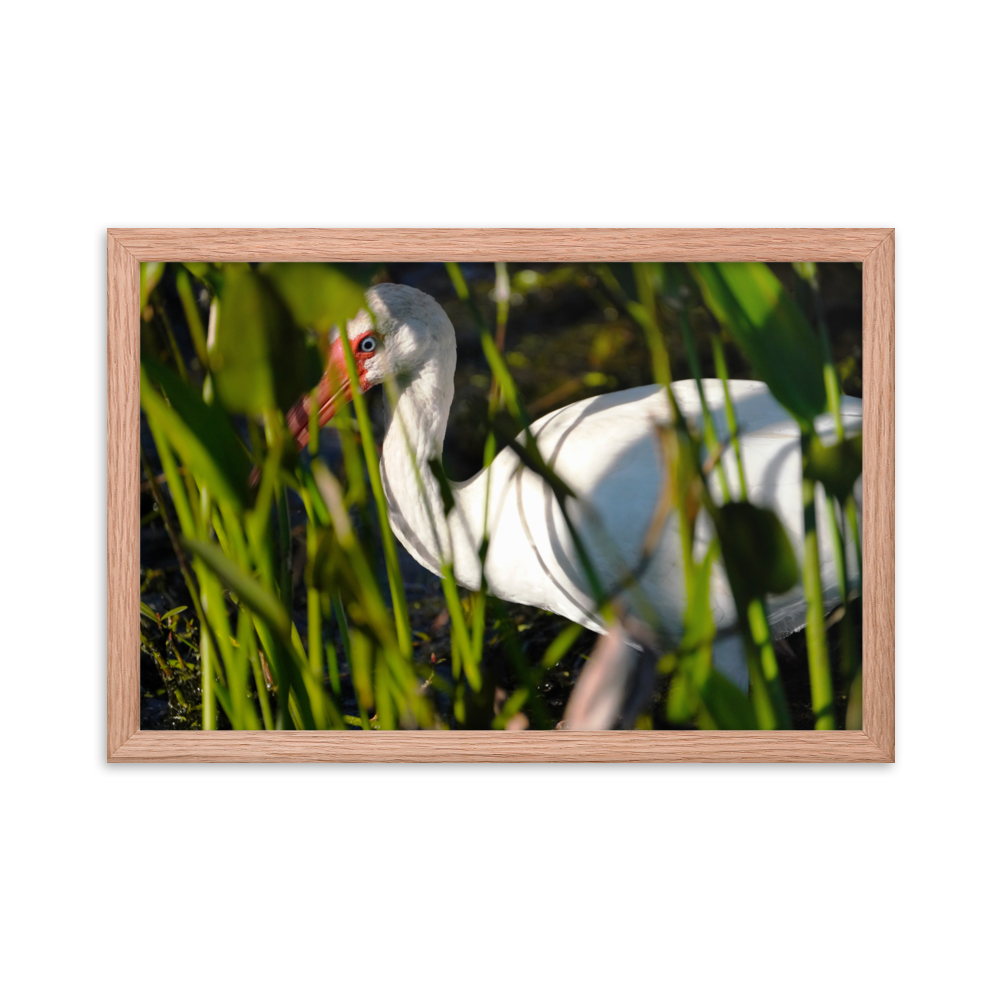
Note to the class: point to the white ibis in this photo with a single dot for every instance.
(604, 448)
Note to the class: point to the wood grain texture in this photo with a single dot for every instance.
(126, 247)
(500, 244)
(442, 747)
(123, 495)
(879, 516)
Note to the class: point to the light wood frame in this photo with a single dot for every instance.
(874, 247)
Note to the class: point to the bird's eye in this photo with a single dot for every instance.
(367, 345)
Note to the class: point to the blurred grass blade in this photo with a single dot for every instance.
(728, 706)
(399, 607)
(263, 698)
(447, 497)
(150, 273)
(342, 567)
(722, 372)
(259, 600)
(200, 434)
(243, 708)
(207, 682)
(755, 548)
(707, 421)
(260, 359)
(362, 649)
(820, 679)
(460, 631)
(561, 645)
(759, 560)
(209, 275)
(808, 272)
(692, 661)
(762, 657)
(196, 328)
(851, 511)
(385, 705)
(837, 466)
(750, 302)
(319, 296)
(644, 313)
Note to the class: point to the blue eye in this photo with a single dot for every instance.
(367, 345)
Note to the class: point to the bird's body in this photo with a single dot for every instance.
(608, 451)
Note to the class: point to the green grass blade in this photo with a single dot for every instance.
(760, 633)
(200, 434)
(207, 683)
(239, 687)
(851, 510)
(396, 589)
(260, 358)
(708, 424)
(561, 645)
(751, 303)
(263, 698)
(722, 372)
(256, 597)
(196, 328)
(820, 678)
(644, 313)
(460, 631)
(150, 273)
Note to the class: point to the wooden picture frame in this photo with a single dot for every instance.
(874, 247)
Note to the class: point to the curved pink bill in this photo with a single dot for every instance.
(333, 391)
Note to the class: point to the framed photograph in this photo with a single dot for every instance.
(501, 495)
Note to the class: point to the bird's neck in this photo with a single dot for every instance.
(415, 436)
(418, 420)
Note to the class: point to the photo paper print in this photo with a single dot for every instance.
(500, 496)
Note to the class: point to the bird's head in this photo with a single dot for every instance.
(409, 330)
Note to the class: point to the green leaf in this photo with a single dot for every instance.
(699, 623)
(694, 655)
(729, 707)
(758, 556)
(200, 433)
(259, 357)
(837, 467)
(322, 566)
(751, 303)
(319, 296)
(250, 591)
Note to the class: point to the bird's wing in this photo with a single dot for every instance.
(606, 449)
